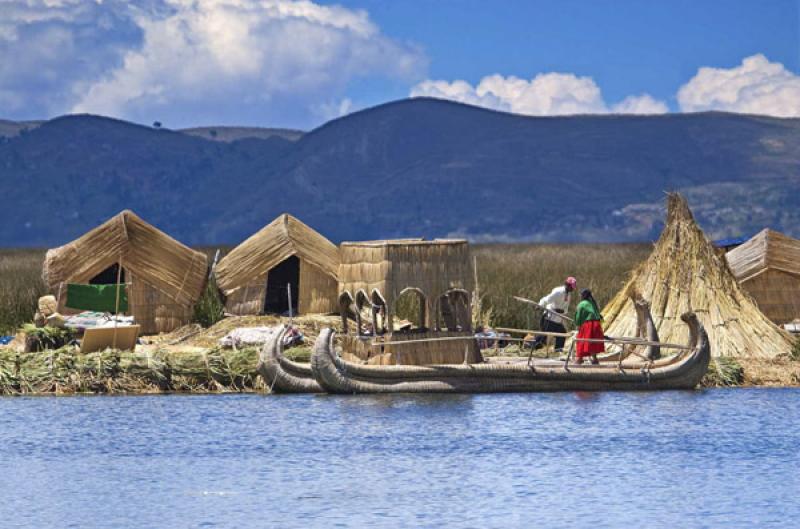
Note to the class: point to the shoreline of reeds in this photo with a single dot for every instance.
(66, 371)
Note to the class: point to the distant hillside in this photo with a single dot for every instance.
(229, 134)
(11, 129)
(413, 167)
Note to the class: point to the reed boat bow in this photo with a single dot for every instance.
(281, 374)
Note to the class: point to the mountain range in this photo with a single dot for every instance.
(415, 167)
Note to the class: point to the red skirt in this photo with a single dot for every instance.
(590, 329)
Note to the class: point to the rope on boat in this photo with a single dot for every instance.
(618, 341)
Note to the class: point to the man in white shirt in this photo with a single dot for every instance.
(555, 304)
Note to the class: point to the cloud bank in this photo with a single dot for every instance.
(195, 60)
(547, 94)
(757, 86)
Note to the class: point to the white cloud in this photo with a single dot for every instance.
(249, 51)
(48, 48)
(196, 60)
(757, 86)
(547, 94)
(641, 104)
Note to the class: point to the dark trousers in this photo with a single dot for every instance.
(551, 326)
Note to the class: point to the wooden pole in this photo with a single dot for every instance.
(116, 303)
(289, 293)
(477, 292)
(531, 302)
(623, 340)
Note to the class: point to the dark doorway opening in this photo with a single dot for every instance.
(108, 276)
(277, 298)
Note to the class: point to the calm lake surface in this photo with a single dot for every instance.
(675, 459)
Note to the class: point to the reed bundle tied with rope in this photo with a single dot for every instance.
(684, 273)
(67, 371)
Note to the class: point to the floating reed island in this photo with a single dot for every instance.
(403, 307)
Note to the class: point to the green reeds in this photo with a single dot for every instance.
(723, 371)
(209, 309)
(67, 371)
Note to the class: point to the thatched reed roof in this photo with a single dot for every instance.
(280, 239)
(685, 273)
(767, 250)
(151, 255)
(391, 266)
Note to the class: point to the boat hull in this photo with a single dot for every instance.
(336, 375)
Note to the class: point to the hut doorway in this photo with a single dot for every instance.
(108, 276)
(287, 272)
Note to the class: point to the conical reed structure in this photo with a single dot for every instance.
(684, 273)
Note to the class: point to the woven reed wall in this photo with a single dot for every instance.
(431, 353)
(777, 294)
(166, 278)
(684, 273)
(768, 267)
(317, 291)
(242, 274)
(434, 267)
(280, 239)
(247, 299)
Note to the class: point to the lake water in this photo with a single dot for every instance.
(672, 459)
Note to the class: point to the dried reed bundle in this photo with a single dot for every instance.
(66, 371)
(684, 273)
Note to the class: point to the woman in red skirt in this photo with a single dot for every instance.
(587, 319)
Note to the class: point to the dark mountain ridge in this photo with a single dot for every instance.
(412, 167)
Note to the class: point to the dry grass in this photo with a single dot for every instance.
(21, 286)
(533, 270)
(529, 270)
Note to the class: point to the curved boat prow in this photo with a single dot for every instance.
(647, 327)
(700, 354)
(282, 375)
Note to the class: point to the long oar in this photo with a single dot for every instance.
(531, 302)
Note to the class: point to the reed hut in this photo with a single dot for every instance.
(254, 276)
(430, 281)
(685, 273)
(164, 278)
(768, 267)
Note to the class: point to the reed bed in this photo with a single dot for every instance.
(504, 270)
(21, 285)
(67, 371)
(533, 270)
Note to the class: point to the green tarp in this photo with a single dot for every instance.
(101, 298)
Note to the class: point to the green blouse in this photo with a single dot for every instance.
(586, 312)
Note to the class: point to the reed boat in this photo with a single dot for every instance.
(282, 375)
(680, 371)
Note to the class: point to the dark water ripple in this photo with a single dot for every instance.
(721, 458)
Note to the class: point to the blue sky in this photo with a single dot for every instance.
(297, 64)
(626, 46)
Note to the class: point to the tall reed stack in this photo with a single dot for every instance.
(684, 273)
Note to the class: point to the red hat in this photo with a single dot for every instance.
(571, 281)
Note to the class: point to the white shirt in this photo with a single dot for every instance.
(558, 299)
